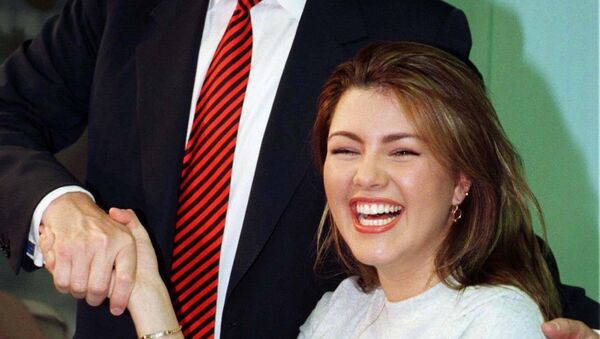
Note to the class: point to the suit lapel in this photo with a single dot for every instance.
(285, 154)
(166, 64)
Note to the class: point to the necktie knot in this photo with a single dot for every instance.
(247, 4)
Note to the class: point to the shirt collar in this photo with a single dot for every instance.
(294, 7)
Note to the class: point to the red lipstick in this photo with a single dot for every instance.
(373, 229)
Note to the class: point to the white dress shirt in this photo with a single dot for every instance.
(274, 25)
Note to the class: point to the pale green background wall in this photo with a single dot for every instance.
(540, 62)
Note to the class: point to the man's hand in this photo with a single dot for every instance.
(82, 245)
(562, 328)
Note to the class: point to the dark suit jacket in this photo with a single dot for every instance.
(125, 69)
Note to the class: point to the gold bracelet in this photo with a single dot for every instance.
(161, 333)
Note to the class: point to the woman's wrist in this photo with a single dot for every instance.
(151, 309)
(145, 289)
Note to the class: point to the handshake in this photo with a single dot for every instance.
(94, 256)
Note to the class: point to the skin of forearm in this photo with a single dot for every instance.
(151, 309)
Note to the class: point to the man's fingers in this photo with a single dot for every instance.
(45, 243)
(99, 279)
(125, 265)
(49, 261)
(62, 270)
(80, 270)
(46, 239)
(551, 329)
(111, 284)
(562, 328)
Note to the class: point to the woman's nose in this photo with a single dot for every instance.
(370, 174)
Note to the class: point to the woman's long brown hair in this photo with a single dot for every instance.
(494, 242)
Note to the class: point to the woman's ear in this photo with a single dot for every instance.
(461, 190)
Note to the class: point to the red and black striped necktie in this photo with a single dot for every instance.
(206, 175)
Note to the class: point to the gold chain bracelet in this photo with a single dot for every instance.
(161, 333)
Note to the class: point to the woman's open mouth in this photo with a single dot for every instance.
(374, 215)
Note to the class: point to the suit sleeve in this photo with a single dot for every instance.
(44, 96)
(575, 303)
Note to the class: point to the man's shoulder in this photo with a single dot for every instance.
(422, 7)
(107, 8)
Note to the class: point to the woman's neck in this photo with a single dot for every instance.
(402, 283)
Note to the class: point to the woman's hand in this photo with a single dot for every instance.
(147, 265)
(150, 305)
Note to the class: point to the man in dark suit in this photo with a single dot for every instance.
(125, 69)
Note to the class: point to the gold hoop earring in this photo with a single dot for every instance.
(456, 213)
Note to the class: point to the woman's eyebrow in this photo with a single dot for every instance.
(397, 136)
(346, 134)
(386, 139)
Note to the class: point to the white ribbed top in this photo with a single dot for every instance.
(440, 312)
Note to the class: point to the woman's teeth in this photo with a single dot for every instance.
(363, 220)
(363, 208)
(377, 214)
